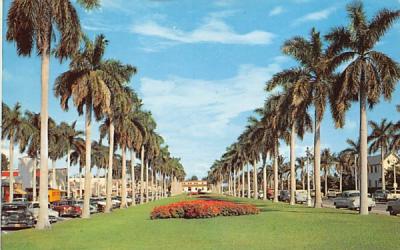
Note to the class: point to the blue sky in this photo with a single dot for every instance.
(202, 66)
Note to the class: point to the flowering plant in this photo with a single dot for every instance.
(202, 209)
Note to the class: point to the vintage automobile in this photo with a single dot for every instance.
(381, 195)
(332, 193)
(93, 207)
(34, 208)
(284, 195)
(351, 199)
(270, 193)
(393, 195)
(301, 196)
(16, 215)
(65, 208)
(393, 207)
(99, 203)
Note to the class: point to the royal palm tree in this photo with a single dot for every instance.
(327, 160)
(354, 150)
(14, 127)
(380, 138)
(345, 163)
(370, 74)
(36, 24)
(85, 83)
(69, 136)
(312, 80)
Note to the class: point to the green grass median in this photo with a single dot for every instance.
(278, 226)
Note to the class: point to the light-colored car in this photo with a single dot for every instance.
(351, 199)
(33, 207)
(392, 195)
(301, 196)
(393, 207)
(332, 193)
(92, 208)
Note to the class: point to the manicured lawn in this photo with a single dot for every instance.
(277, 226)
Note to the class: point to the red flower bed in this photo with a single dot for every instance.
(202, 209)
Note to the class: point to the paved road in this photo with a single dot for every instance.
(379, 209)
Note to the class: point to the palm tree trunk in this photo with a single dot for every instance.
(276, 177)
(234, 182)
(243, 181)
(147, 182)
(248, 182)
(292, 165)
(123, 188)
(141, 175)
(382, 169)
(11, 168)
(34, 194)
(317, 162)
(68, 165)
(43, 217)
(53, 174)
(80, 183)
(302, 176)
(133, 183)
(255, 181)
(326, 181)
(265, 182)
(363, 150)
(88, 148)
(341, 179)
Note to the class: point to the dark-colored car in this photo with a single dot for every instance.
(65, 208)
(381, 195)
(284, 195)
(16, 215)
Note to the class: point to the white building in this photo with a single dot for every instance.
(194, 186)
(375, 168)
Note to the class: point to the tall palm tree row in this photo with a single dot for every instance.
(35, 24)
(98, 88)
(318, 80)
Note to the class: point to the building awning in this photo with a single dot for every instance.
(19, 191)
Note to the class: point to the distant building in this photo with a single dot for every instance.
(375, 168)
(194, 186)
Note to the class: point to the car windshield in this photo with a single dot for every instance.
(354, 194)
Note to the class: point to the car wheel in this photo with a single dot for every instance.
(369, 209)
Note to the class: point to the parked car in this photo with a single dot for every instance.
(332, 193)
(393, 207)
(284, 195)
(392, 195)
(92, 207)
(116, 203)
(16, 215)
(381, 195)
(351, 199)
(270, 193)
(34, 208)
(260, 195)
(301, 196)
(99, 203)
(66, 208)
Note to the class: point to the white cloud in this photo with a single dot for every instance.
(315, 16)
(195, 115)
(223, 3)
(213, 30)
(276, 11)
